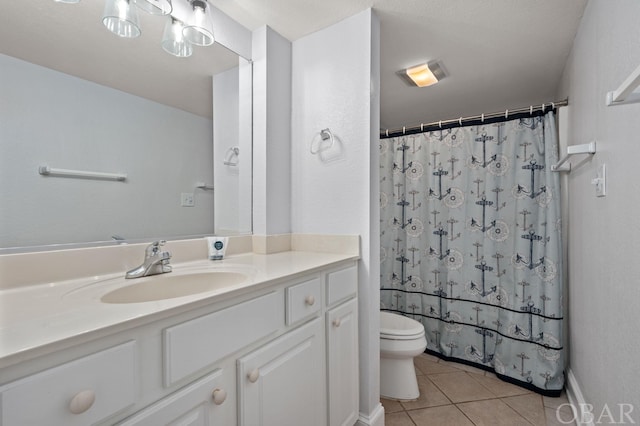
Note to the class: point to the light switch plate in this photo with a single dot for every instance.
(601, 181)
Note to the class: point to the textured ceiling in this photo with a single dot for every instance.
(498, 53)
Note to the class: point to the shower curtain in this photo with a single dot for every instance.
(471, 248)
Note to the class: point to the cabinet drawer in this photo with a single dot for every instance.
(207, 401)
(47, 398)
(195, 344)
(303, 300)
(342, 284)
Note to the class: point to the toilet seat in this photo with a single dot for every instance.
(398, 327)
(401, 337)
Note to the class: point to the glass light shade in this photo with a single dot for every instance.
(155, 7)
(422, 76)
(199, 28)
(173, 40)
(121, 18)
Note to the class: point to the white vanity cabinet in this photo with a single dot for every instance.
(341, 325)
(282, 383)
(283, 353)
(202, 403)
(80, 392)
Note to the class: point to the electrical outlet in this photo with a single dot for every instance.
(187, 200)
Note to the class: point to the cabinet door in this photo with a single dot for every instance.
(342, 363)
(282, 383)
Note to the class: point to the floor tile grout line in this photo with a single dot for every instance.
(499, 399)
(465, 414)
(456, 405)
(469, 374)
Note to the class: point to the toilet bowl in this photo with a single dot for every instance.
(401, 339)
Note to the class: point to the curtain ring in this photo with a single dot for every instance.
(421, 127)
(440, 124)
(460, 121)
(543, 108)
(553, 105)
(530, 109)
(482, 117)
(403, 129)
(387, 132)
(506, 114)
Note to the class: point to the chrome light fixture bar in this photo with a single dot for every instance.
(155, 7)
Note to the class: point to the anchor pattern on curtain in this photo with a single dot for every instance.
(471, 245)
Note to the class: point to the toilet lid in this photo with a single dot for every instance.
(397, 325)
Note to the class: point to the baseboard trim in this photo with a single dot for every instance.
(576, 399)
(375, 418)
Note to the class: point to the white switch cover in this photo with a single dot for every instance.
(187, 200)
(601, 181)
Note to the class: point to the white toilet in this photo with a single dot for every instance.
(401, 339)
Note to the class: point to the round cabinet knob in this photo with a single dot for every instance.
(82, 401)
(337, 322)
(253, 375)
(219, 396)
(310, 300)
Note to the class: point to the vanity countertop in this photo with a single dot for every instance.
(39, 318)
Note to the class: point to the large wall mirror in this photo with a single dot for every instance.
(76, 97)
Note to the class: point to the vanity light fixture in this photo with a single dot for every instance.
(423, 75)
(155, 7)
(173, 41)
(199, 29)
(121, 18)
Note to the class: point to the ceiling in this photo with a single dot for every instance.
(71, 38)
(498, 54)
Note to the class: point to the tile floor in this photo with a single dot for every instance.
(453, 394)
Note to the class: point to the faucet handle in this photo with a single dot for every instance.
(153, 248)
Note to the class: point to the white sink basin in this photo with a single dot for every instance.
(171, 285)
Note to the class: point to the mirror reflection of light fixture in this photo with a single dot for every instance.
(121, 18)
(423, 75)
(173, 41)
(199, 29)
(155, 7)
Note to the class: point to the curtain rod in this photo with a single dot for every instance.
(494, 116)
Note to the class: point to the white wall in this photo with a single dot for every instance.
(232, 129)
(51, 118)
(336, 86)
(604, 233)
(271, 132)
(225, 136)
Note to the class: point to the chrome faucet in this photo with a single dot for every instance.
(155, 262)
